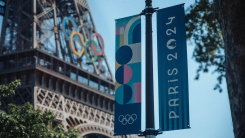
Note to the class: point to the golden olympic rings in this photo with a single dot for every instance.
(71, 42)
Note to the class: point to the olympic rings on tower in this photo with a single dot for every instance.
(86, 53)
(71, 43)
(76, 32)
(86, 31)
(101, 53)
(64, 27)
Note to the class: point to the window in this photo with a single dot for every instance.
(93, 84)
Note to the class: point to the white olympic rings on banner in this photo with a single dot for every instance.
(127, 119)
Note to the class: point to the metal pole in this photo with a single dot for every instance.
(150, 131)
(150, 120)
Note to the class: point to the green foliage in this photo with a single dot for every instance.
(7, 90)
(204, 30)
(26, 122)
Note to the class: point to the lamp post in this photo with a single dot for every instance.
(150, 120)
(150, 131)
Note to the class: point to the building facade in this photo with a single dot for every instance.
(34, 49)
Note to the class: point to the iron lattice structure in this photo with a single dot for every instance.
(33, 48)
(37, 24)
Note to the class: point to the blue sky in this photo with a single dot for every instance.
(210, 115)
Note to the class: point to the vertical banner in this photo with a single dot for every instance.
(172, 69)
(128, 76)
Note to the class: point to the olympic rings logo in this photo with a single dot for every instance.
(76, 33)
(127, 119)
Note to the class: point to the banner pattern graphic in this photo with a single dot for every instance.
(172, 69)
(128, 76)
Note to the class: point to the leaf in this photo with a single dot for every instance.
(205, 32)
(24, 121)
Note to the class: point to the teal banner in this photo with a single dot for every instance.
(128, 76)
(172, 69)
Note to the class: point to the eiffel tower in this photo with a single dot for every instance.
(34, 49)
